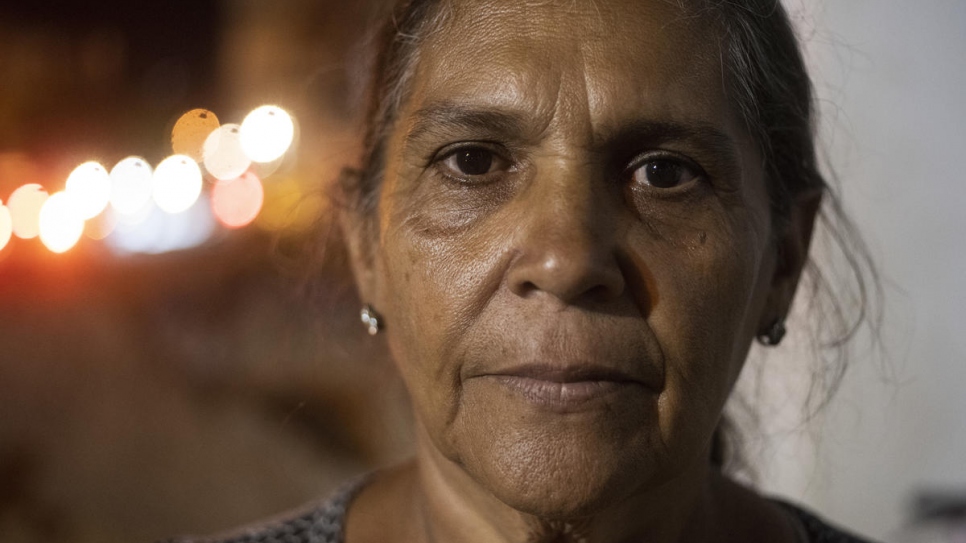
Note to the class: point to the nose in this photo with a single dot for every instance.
(567, 243)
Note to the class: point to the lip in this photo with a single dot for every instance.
(566, 374)
(565, 389)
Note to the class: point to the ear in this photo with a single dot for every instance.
(792, 248)
(359, 232)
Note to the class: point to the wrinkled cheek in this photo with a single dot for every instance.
(429, 288)
(703, 337)
(409, 327)
(721, 309)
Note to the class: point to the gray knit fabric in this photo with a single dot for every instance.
(318, 523)
(324, 523)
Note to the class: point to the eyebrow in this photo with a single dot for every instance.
(706, 137)
(501, 123)
(448, 115)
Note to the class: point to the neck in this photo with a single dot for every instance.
(452, 506)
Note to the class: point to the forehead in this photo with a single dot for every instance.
(602, 60)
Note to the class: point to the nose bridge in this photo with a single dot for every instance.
(567, 241)
(565, 207)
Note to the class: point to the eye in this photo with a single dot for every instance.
(664, 173)
(475, 161)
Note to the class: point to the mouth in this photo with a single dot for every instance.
(565, 389)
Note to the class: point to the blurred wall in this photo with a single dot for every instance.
(891, 78)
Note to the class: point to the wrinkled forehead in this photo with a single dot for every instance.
(612, 58)
(574, 21)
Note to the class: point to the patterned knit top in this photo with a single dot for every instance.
(324, 523)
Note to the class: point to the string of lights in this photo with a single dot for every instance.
(169, 201)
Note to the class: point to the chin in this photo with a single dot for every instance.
(565, 477)
(570, 462)
(571, 489)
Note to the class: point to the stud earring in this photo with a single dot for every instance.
(370, 320)
(773, 336)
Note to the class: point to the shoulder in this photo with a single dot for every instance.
(319, 522)
(816, 529)
(758, 518)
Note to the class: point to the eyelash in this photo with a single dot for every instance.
(453, 171)
(691, 169)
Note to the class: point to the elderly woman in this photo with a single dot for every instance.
(572, 219)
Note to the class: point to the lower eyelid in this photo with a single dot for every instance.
(456, 176)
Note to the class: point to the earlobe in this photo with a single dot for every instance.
(792, 245)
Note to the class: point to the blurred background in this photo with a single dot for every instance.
(193, 361)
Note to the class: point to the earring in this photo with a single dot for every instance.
(370, 320)
(773, 336)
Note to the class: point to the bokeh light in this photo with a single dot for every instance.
(161, 232)
(138, 199)
(100, 227)
(224, 156)
(236, 202)
(6, 226)
(177, 183)
(131, 185)
(89, 186)
(190, 132)
(264, 170)
(61, 222)
(267, 133)
(24, 205)
(135, 218)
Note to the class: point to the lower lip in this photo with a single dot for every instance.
(563, 396)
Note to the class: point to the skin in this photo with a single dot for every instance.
(562, 263)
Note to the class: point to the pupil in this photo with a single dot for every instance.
(474, 161)
(663, 174)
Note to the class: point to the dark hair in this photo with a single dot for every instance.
(396, 47)
(771, 89)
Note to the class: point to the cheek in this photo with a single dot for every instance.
(710, 288)
(443, 253)
(438, 276)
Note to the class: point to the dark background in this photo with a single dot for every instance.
(144, 396)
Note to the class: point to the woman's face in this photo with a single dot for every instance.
(573, 247)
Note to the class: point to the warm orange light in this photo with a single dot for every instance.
(89, 186)
(6, 226)
(190, 132)
(61, 222)
(224, 156)
(289, 206)
(24, 205)
(236, 202)
(16, 167)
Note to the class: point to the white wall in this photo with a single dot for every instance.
(891, 75)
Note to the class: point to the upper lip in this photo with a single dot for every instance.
(566, 374)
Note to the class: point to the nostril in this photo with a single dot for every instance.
(523, 289)
(571, 280)
(601, 293)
